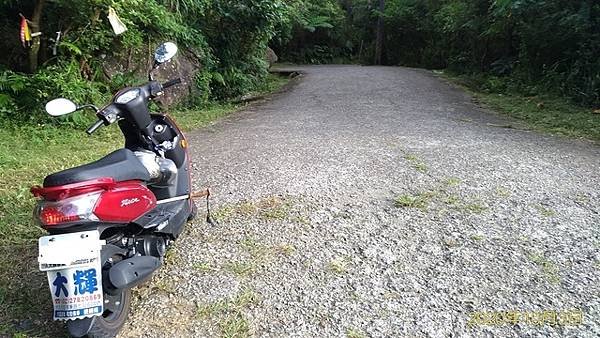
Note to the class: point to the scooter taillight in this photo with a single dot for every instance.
(67, 211)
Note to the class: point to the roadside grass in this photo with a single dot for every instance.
(547, 112)
(548, 268)
(257, 257)
(339, 265)
(354, 333)
(544, 211)
(444, 194)
(27, 154)
(416, 162)
(269, 208)
(419, 201)
(228, 314)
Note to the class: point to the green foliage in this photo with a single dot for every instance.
(313, 32)
(541, 46)
(238, 32)
(228, 39)
(24, 94)
(553, 44)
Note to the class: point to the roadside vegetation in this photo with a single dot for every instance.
(533, 60)
(545, 112)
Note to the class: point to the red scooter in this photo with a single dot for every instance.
(111, 221)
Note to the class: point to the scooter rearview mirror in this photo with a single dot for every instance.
(60, 106)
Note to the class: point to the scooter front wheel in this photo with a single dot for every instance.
(116, 310)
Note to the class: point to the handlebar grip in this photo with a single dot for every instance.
(94, 127)
(171, 83)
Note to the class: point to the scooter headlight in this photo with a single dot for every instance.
(128, 96)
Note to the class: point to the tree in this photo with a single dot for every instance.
(379, 35)
(34, 25)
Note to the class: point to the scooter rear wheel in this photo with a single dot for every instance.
(116, 310)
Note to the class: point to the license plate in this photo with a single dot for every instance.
(74, 268)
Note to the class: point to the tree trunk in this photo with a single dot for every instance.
(379, 36)
(34, 26)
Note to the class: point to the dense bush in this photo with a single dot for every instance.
(313, 32)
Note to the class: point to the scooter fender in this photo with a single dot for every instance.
(132, 271)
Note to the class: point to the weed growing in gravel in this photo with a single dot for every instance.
(204, 267)
(581, 198)
(452, 182)
(545, 211)
(267, 208)
(241, 269)
(339, 265)
(223, 213)
(441, 194)
(171, 257)
(287, 249)
(300, 219)
(549, 269)
(354, 333)
(477, 238)
(416, 163)
(450, 242)
(246, 208)
(162, 285)
(475, 208)
(256, 249)
(274, 208)
(419, 201)
(451, 200)
(259, 254)
(229, 315)
(502, 192)
(235, 326)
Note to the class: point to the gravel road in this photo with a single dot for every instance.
(381, 202)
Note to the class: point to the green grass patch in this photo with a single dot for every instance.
(204, 267)
(339, 265)
(544, 112)
(241, 268)
(416, 162)
(477, 238)
(549, 269)
(419, 201)
(544, 211)
(269, 208)
(503, 192)
(452, 181)
(354, 333)
(229, 315)
(475, 208)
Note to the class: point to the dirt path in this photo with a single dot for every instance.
(380, 202)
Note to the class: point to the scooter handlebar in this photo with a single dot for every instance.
(94, 127)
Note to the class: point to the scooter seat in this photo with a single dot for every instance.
(121, 165)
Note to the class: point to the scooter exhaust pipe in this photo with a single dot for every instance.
(132, 271)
